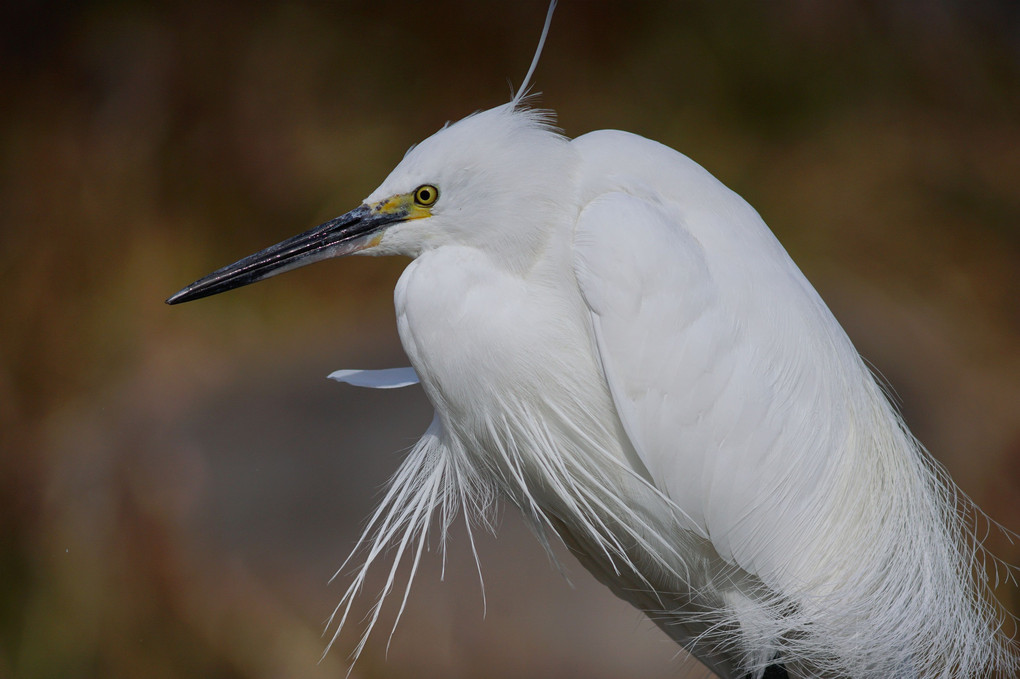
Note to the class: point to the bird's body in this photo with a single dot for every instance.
(617, 344)
(655, 380)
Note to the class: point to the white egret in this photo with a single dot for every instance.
(615, 343)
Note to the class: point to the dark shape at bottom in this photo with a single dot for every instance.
(774, 672)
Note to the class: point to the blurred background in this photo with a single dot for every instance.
(177, 485)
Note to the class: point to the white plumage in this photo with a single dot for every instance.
(653, 379)
(617, 344)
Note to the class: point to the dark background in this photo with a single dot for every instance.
(178, 484)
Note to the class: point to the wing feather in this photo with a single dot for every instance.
(752, 411)
(697, 357)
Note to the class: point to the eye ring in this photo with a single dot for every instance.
(426, 195)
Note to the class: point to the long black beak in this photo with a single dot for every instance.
(341, 236)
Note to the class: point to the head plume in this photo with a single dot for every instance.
(522, 93)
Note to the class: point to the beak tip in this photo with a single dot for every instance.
(182, 295)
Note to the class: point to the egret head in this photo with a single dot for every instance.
(491, 178)
(495, 180)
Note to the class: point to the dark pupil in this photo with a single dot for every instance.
(424, 195)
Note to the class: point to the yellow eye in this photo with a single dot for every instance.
(426, 195)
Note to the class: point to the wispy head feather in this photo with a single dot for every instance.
(526, 84)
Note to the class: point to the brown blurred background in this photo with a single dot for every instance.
(178, 484)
